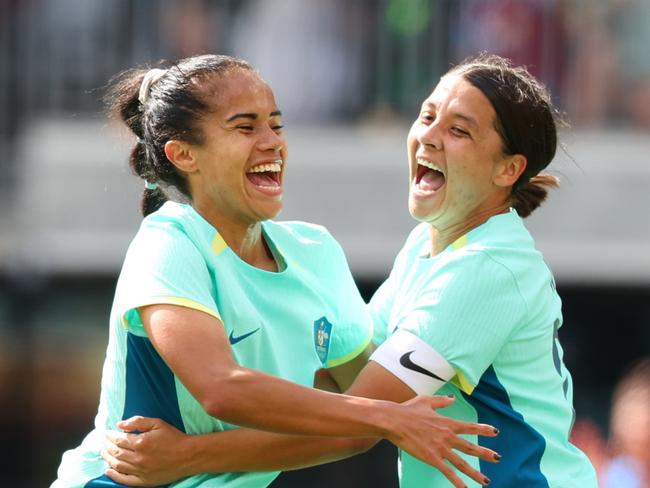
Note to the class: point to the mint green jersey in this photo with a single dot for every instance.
(487, 304)
(289, 324)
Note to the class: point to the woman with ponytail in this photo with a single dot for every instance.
(469, 294)
(221, 316)
(470, 308)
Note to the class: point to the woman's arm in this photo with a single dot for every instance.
(162, 454)
(196, 348)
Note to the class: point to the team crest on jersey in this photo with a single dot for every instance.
(322, 334)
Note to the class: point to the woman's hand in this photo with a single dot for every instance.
(415, 426)
(431, 438)
(158, 454)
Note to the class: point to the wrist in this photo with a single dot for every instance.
(195, 456)
(385, 420)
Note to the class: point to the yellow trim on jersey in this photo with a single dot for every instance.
(350, 356)
(218, 244)
(183, 302)
(461, 381)
(460, 242)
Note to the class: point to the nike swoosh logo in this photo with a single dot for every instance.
(405, 361)
(234, 340)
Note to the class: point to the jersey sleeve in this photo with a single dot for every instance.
(466, 314)
(380, 306)
(353, 331)
(381, 303)
(163, 266)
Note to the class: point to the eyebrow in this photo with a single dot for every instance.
(251, 116)
(467, 118)
(428, 105)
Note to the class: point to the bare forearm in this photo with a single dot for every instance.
(251, 450)
(260, 401)
(250, 398)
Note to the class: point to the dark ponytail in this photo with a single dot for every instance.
(173, 104)
(122, 100)
(533, 193)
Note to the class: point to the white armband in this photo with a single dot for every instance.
(414, 362)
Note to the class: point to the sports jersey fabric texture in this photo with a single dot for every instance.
(488, 305)
(289, 323)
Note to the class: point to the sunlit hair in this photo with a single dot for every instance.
(525, 120)
(173, 104)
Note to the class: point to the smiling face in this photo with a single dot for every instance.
(237, 172)
(456, 161)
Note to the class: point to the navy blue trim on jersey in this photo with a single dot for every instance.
(150, 385)
(150, 392)
(520, 446)
(104, 482)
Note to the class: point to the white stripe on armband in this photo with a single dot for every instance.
(414, 362)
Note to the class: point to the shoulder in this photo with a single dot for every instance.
(500, 256)
(472, 267)
(414, 245)
(302, 234)
(172, 217)
(171, 230)
(304, 242)
(419, 234)
(174, 221)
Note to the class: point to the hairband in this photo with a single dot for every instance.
(149, 79)
(150, 186)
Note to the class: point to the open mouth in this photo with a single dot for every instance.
(429, 178)
(266, 176)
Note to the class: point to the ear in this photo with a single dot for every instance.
(507, 172)
(181, 155)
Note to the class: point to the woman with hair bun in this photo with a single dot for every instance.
(221, 316)
(469, 295)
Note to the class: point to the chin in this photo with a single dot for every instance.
(418, 213)
(271, 212)
(417, 210)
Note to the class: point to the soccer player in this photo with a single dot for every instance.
(214, 298)
(470, 307)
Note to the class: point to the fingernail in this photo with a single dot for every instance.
(497, 456)
(496, 431)
(486, 481)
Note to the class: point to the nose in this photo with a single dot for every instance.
(271, 141)
(429, 135)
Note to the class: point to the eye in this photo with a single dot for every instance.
(278, 128)
(458, 131)
(245, 127)
(427, 117)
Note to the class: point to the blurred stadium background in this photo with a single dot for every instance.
(349, 76)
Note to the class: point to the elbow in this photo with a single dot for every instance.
(215, 407)
(217, 401)
(224, 395)
(219, 405)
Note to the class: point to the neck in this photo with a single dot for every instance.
(443, 236)
(244, 238)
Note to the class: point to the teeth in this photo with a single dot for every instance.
(429, 164)
(274, 167)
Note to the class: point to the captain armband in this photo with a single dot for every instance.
(414, 362)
